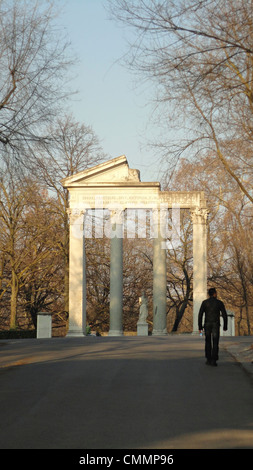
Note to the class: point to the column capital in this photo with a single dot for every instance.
(117, 216)
(76, 216)
(199, 215)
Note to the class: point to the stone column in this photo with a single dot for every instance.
(77, 275)
(159, 275)
(199, 220)
(116, 274)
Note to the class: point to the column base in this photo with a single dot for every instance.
(160, 332)
(115, 333)
(75, 332)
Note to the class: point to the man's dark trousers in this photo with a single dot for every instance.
(212, 334)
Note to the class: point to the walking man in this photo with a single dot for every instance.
(212, 308)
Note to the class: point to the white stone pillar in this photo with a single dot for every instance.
(199, 220)
(77, 275)
(116, 274)
(159, 275)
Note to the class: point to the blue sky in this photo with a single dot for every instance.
(109, 99)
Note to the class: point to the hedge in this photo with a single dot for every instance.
(17, 334)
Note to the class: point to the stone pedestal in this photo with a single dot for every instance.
(142, 329)
(44, 325)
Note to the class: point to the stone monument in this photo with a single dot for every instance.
(116, 188)
(44, 325)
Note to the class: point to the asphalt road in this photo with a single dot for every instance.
(122, 393)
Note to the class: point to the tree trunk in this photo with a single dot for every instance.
(179, 315)
(239, 322)
(247, 318)
(14, 297)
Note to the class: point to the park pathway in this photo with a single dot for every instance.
(122, 393)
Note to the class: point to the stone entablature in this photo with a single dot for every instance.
(113, 184)
(104, 197)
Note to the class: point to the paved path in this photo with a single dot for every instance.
(122, 393)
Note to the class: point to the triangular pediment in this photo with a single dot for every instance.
(113, 171)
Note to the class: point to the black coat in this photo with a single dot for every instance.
(212, 308)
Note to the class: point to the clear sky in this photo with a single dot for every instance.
(109, 98)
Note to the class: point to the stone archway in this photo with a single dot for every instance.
(116, 187)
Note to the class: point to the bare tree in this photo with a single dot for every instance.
(33, 73)
(180, 273)
(73, 147)
(12, 203)
(29, 239)
(230, 261)
(200, 56)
